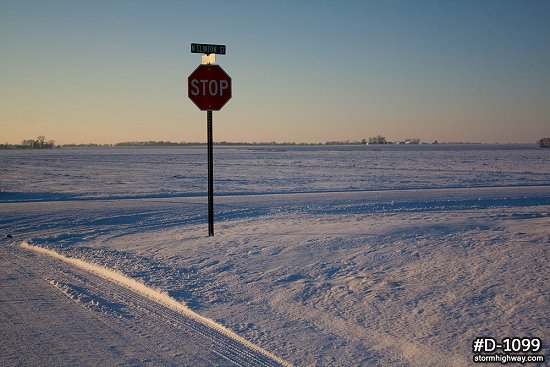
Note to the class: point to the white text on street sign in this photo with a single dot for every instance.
(202, 48)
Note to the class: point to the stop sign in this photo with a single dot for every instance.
(209, 87)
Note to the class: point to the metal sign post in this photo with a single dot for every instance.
(210, 173)
(209, 87)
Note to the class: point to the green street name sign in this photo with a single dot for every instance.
(201, 48)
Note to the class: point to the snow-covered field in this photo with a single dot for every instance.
(323, 256)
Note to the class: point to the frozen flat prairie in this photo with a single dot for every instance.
(323, 256)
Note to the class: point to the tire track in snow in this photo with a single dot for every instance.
(234, 347)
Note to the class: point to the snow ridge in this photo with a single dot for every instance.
(155, 295)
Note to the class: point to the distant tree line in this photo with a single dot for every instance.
(86, 145)
(169, 143)
(374, 140)
(38, 143)
(151, 144)
(41, 143)
(379, 139)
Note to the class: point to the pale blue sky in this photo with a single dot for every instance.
(108, 71)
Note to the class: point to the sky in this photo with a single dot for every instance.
(80, 71)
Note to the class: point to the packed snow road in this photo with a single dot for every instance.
(75, 317)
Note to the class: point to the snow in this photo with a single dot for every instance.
(155, 295)
(117, 173)
(323, 256)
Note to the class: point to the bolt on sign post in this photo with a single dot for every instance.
(209, 87)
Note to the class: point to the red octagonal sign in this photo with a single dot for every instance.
(209, 87)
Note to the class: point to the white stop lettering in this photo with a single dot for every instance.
(208, 87)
